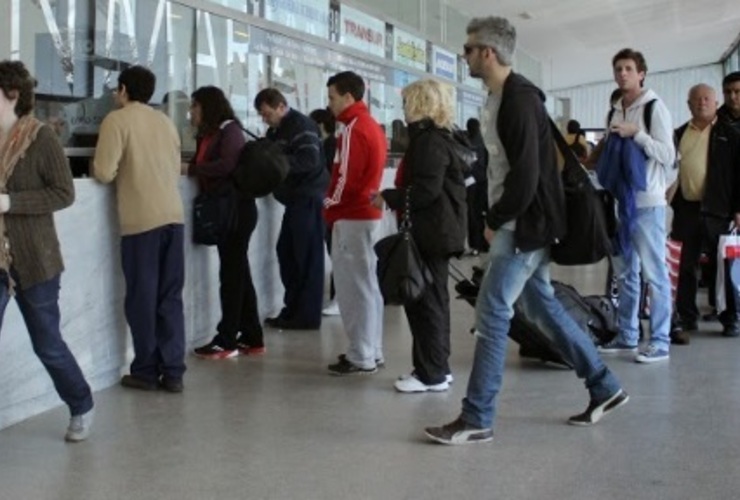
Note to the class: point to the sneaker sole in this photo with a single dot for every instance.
(348, 374)
(616, 351)
(420, 390)
(246, 352)
(646, 361)
(604, 412)
(217, 356)
(454, 442)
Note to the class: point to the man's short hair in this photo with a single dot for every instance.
(731, 78)
(634, 55)
(270, 96)
(348, 82)
(139, 83)
(497, 33)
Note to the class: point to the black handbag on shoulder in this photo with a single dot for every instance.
(403, 275)
(214, 214)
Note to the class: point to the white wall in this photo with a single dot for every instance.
(589, 104)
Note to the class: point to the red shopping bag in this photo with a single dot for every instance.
(673, 262)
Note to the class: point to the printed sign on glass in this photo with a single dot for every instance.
(308, 16)
(361, 31)
(409, 49)
(444, 63)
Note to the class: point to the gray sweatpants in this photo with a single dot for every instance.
(358, 294)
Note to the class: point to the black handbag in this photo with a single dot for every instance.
(403, 275)
(214, 214)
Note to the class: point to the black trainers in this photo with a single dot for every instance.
(459, 432)
(346, 367)
(379, 362)
(214, 350)
(597, 411)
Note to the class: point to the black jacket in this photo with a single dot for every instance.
(722, 188)
(299, 137)
(438, 208)
(533, 192)
(724, 115)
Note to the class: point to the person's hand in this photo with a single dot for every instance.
(488, 234)
(625, 129)
(376, 200)
(4, 203)
(737, 220)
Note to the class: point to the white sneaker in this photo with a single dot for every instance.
(332, 309)
(412, 384)
(79, 427)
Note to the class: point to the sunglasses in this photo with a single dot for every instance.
(468, 49)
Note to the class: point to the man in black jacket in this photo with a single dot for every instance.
(730, 110)
(300, 246)
(706, 201)
(526, 216)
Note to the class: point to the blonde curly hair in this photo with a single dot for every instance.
(429, 99)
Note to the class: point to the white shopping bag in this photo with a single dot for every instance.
(728, 253)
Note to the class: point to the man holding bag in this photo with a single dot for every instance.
(706, 201)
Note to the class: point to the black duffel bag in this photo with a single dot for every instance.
(262, 167)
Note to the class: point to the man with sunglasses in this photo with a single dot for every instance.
(526, 215)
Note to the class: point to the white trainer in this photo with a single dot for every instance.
(411, 384)
(332, 309)
(449, 378)
(79, 427)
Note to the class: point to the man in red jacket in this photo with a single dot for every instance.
(356, 176)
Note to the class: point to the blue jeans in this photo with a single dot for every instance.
(39, 306)
(513, 275)
(648, 254)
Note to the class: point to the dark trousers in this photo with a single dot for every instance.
(300, 251)
(154, 269)
(238, 299)
(697, 232)
(477, 197)
(39, 307)
(429, 319)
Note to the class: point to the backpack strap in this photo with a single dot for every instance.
(647, 116)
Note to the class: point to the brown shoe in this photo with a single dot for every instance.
(680, 337)
(134, 382)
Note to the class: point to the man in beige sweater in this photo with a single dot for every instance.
(139, 148)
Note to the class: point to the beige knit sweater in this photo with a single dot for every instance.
(139, 148)
(40, 185)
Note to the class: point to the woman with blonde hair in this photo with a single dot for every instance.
(430, 186)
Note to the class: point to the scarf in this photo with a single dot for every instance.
(12, 149)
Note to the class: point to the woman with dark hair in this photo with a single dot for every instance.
(328, 126)
(35, 182)
(219, 141)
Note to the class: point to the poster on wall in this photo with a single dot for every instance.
(409, 49)
(361, 31)
(308, 16)
(444, 63)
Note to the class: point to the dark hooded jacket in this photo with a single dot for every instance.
(533, 192)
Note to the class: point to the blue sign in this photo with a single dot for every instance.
(444, 64)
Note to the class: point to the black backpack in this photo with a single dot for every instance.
(262, 167)
(586, 240)
(595, 314)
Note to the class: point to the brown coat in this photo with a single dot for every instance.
(40, 185)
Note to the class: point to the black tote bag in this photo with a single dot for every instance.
(403, 275)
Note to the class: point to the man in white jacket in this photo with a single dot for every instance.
(648, 238)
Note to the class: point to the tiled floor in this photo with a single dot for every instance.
(279, 427)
